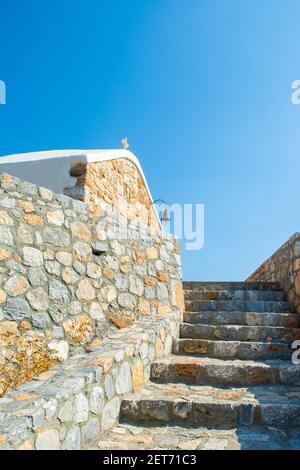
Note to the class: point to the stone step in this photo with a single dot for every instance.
(211, 406)
(202, 371)
(233, 349)
(288, 320)
(239, 333)
(242, 305)
(266, 295)
(231, 285)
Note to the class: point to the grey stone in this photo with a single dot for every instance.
(56, 236)
(127, 300)
(96, 400)
(7, 202)
(52, 267)
(66, 412)
(64, 258)
(90, 431)
(162, 292)
(149, 292)
(28, 188)
(32, 256)
(38, 298)
(136, 285)
(73, 439)
(79, 267)
(121, 282)
(6, 236)
(50, 408)
(110, 414)
(58, 332)
(41, 320)
(123, 379)
(109, 387)
(81, 408)
(37, 276)
(17, 309)
(57, 311)
(75, 307)
(58, 291)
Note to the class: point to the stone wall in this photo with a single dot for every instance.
(70, 276)
(114, 182)
(283, 267)
(76, 402)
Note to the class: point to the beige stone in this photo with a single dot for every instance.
(69, 276)
(151, 252)
(4, 254)
(108, 273)
(144, 307)
(8, 328)
(33, 219)
(85, 290)
(80, 230)
(79, 330)
(150, 281)
(93, 270)
(297, 283)
(3, 297)
(163, 277)
(137, 371)
(5, 219)
(2, 441)
(108, 293)
(26, 445)
(26, 396)
(159, 348)
(27, 206)
(297, 264)
(139, 257)
(47, 439)
(177, 294)
(121, 318)
(163, 309)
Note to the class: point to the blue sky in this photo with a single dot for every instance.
(202, 89)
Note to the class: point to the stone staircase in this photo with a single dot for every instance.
(231, 367)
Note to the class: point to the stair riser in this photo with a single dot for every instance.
(269, 296)
(195, 373)
(243, 318)
(243, 306)
(232, 350)
(208, 414)
(239, 333)
(205, 286)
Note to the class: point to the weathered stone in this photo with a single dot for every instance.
(162, 292)
(72, 440)
(123, 379)
(57, 291)
(17, 309)
(137, 373)
(56, 217)
(38, 298)
(33, 219)
(81, 408)
(82, 251)
(144, 307)
(37, 276)
(16, 285)
(74, 308)
(121, 318)
(52, 267)
(64, 258)
(5, 219)
(56, 236)
(109, 387)
(6, 236)
(32, 256)
(90, 431)
(69, 276)
(96, 311)
(177, 297)
(108, 293)
(46, 194)
(150, 281)
(66, 412)
(163, 277)
(136, 286)
(110, 414)
(127, 300)
(96, 400)
(60, 349)
(4, 254)
(85, 290)
(93, 270)
(47, 439)
(3, 297)
(151, 253)
(41, 320)
(24, 234)
(80, 230)
(79, 330)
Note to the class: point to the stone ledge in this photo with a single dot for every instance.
(75, 403)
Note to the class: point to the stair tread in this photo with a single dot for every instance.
(268, 363)
(256, 395)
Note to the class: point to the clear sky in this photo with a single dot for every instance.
(201, 88)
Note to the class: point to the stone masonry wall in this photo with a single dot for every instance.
(114, 182)
(283, 267)
(69, 276)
